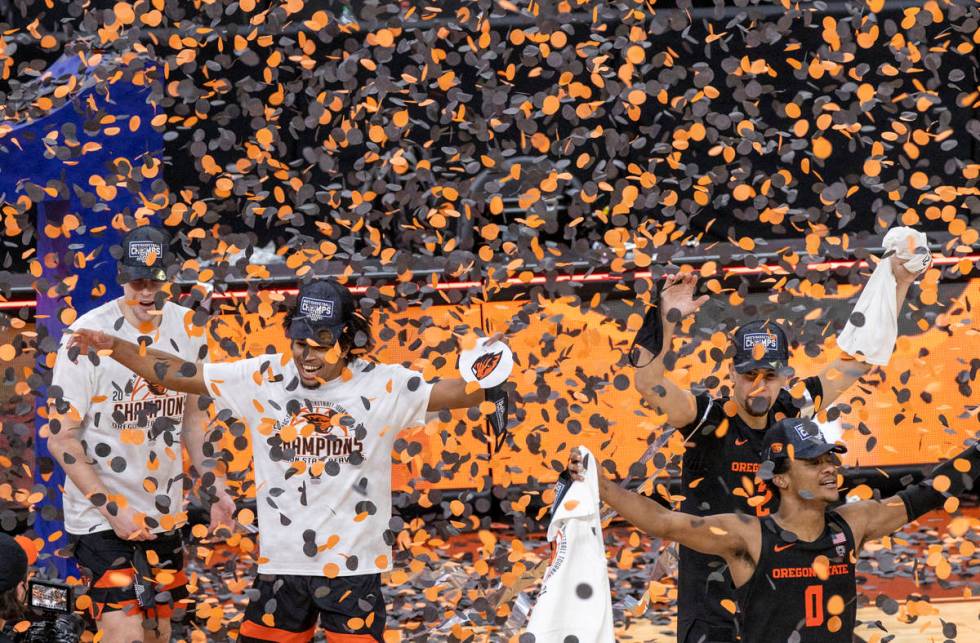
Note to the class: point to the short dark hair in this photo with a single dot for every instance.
(11, 607)
(356, 339)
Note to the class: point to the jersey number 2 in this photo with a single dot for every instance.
(762, 509)
(813, 605)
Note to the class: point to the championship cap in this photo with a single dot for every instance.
(761, 344)
(321, 305)
(145, 255)
(798, 438)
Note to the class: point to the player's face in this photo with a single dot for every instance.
(816, 479)
(139, 296)
(317, 362)
(756, 391)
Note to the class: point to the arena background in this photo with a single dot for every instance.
(520, 167)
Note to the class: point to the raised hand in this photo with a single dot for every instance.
(497, 337)
(903, 274)
(678, 294)
(576, 465)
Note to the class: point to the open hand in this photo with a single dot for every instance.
(84, 340)
(678, 294)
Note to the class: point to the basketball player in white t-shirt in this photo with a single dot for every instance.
(119, 438)
(323, 423)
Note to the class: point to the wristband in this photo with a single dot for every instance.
(651, 333)
(923, 497)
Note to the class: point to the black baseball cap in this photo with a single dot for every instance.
(798, 438)
(321, 305)
(13, 563)
(145, 255)
(770, 335)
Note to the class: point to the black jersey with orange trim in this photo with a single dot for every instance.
(803, 592)
(721, 459)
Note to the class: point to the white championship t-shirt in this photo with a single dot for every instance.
(322, 459)
(131, 429)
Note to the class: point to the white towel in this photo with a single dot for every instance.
(574, 599)
(878, 303)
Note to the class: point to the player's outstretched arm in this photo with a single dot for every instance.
(456, 393)
(846, 370)
(725, 535)
(154, 366)
(650, 380)
(838, 376)
(871, 519)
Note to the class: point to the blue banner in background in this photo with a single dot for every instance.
(68, 229)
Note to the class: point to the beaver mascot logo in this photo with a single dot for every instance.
(485, 365)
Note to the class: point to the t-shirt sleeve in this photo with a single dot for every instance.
(75, 379)
(199, 348)
(194, 347)
(230, 384)
(409, 397)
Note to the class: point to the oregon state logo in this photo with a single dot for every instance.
(143, 389)
(156, 389)
(323, 433)
(485, 364)
(323, 423)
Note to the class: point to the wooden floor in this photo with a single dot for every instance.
(899, 628)
(965, 614)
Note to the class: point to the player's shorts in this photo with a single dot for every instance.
(108, 561)
(700, 631)
(350, 608)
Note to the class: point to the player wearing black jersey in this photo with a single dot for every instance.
(724, 435)
(793, 570)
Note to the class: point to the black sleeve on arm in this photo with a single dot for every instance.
(815, 390)
(704, 405)
(803, 406)
(922, 498)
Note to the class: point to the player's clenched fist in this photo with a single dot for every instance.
(576, 465)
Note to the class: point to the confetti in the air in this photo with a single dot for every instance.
(466, 168)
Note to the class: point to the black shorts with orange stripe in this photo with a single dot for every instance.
(108, 560)
(350, 608)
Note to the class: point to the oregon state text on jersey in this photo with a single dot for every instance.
(721, 461)
(801, 591)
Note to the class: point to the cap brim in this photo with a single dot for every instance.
(301, 329)
(820, 449)
(759, 364)
(132, 273)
